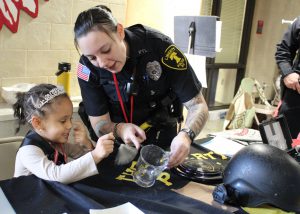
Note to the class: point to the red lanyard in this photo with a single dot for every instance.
(121, 101)
(56, 153)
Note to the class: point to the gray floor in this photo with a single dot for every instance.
(214, 123)
(211, 126)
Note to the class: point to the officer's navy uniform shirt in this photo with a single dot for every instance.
(158, 66)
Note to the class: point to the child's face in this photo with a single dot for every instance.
(58, 121)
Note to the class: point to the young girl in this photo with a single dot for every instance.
(45, 150)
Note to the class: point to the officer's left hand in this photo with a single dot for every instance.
(180, 148)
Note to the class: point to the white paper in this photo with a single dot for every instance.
(198, 63)
(5, 206)
(127, 208)
(223, 146)
(244, 134)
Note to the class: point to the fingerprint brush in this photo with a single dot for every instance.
(126, 153)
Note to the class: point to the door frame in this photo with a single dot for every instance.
(212, 68)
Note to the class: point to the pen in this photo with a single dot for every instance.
(241, 142)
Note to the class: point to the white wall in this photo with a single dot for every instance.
(261, 62)
(159, 14)
(31, 55)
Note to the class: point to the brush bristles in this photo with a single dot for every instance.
(125, 154)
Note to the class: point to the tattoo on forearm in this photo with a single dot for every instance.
(197, 113)
(100, 128)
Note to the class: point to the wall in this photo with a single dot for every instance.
(261, 63)
(31, 55)
(159, 14)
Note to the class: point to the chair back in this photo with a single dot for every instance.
(8, 150)
(241, 111)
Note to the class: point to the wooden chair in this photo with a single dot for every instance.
(243, 110)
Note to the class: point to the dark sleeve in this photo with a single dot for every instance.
(181, 75)
(286, 50)
(185, 84)
(93, 95)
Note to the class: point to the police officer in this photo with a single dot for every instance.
(288, 61)
(133, 82)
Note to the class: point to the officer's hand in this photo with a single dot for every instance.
(131, 134)
(292, 81)
(104, 146)
(80, 134)
(180, 148)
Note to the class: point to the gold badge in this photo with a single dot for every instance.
(174, 58)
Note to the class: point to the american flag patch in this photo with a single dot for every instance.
(83, 72)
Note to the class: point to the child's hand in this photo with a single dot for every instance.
(80, 134)
(104, 146)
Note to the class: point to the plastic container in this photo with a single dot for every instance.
(64, 76)
(9, 93)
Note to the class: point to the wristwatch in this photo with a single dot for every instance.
(189, 132)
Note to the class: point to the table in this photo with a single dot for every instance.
(32, 195)
(113, 186)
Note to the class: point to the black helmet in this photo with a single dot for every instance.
(261, 174)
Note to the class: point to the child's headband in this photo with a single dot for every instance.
(49, 96)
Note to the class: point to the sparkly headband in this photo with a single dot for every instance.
(52, 94)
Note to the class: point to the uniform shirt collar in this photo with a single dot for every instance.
(135, 37)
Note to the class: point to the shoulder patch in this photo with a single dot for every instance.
(174, 58)
(83, 72)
